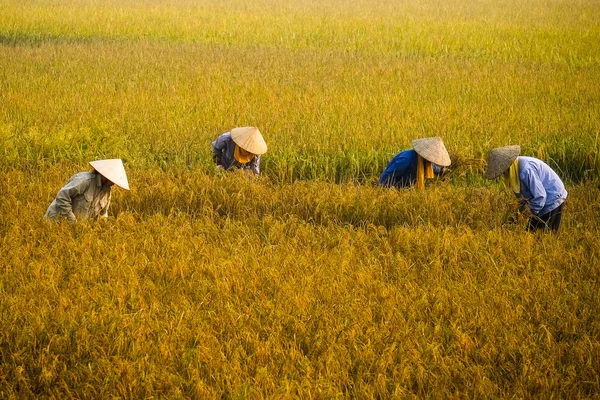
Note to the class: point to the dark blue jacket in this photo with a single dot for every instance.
(402, 170)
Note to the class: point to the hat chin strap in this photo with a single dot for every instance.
(511, 177)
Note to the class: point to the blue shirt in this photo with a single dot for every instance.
(540, 186)
(224, 148)
(402, 170)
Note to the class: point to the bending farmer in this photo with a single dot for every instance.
(87, 194)
(413, 166)
(533, 182)
(240, 148)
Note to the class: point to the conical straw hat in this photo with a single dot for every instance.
(112, 170)
(249, 139)
(500, 159)
(433, 150)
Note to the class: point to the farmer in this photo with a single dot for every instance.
(534, 183)
(413, 166)
(240, 148)
(87, 194)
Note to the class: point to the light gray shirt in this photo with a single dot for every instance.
(83, 197)
(224, 148)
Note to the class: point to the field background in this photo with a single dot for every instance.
(309, 281)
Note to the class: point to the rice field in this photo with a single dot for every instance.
(309, 281)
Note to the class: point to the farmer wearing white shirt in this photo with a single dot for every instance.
(87, 194)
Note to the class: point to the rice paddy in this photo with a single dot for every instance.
(309, 281)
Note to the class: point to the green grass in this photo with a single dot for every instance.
(336, 93)
(309, 281)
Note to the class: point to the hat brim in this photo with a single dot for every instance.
(250, 139)
(500, 159)
(433, 150)
(112, 170)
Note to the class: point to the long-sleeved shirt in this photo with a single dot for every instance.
(224, 147)
(402, 170)
(83, 197)
(540, 186)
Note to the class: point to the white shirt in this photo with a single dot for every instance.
(83, 197)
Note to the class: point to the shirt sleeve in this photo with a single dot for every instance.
(219, 145)
(396, 168)
(538, 192)
(64, 198)
(255, 165)
(104, 211)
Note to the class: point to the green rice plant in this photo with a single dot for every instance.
(336, 93)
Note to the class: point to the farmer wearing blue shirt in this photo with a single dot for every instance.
(413, 166)
(534, 183)
(241, 148)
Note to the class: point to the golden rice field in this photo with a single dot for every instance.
(308, 282)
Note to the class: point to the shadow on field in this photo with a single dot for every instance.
(16, 39)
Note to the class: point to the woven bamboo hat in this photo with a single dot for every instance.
(249, 139)
(500, 159)
(433, 150)
(112, 170)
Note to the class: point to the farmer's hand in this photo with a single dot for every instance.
(446, 171)
(512, 219)
(71, 218)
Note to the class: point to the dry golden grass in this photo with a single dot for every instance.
(309, 281)
(221, 286)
